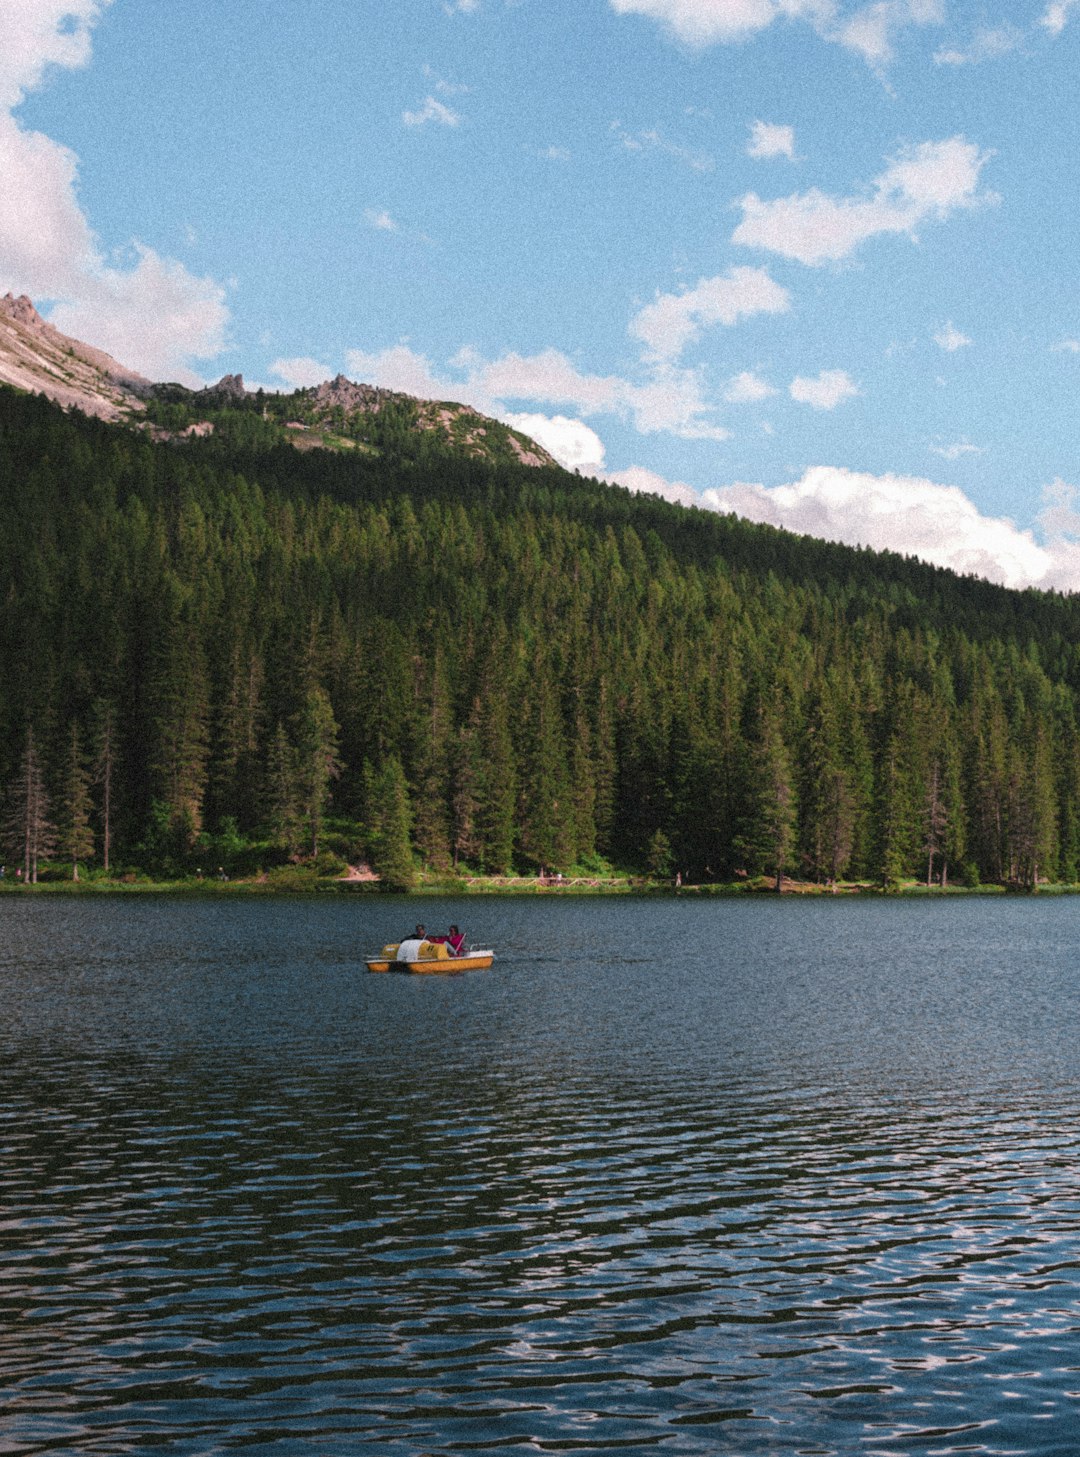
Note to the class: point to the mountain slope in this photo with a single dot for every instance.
(337, 415)
(511, 666)
(38, 358)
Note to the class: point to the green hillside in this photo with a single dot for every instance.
(467, 660)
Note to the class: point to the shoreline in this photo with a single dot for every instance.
(305, 884)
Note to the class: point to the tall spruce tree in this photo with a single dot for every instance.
(30, 831)
(75, 839)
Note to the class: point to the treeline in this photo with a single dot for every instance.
(489, 666)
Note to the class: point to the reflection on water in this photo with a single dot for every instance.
(759, 1178)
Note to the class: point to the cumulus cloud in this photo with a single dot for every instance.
(825, 391)
(400, 368)
(748, 389)
(571, 442)
(648, 482)
(950, 339)
(923, 183)
(907, 514)
(1056, 15)
(673, 321)
(870, 30)
(432, 110)
(148, 311)
(767, 140)
(671, 401)
(897, 513)
(380, 219)
(986, 45)
(703, 22)
(300, 373)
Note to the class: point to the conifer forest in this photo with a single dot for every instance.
(472, 663)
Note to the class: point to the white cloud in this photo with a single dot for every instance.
(431, 110)
(986, 45)
(673, 321)
(571, 442)
(554, 154)
(767, 140)
(39, 34)
(1066, 346)
(950, 339)
(670, 402)
(924, 182)
(1056, 15)
(148, 311)
(647, 482)
(704, 22)
(153, 317)
(870, 30)
(300, 373)
(897, 513)
(400, 368)
(748, 389)
(958, 449)
(652, 140)
(906, 514)
(824, 392)
(380, 219)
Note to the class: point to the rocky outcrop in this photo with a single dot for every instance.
(36, 357)
(230, 384)
(21, 310)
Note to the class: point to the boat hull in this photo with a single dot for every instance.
(435, 966)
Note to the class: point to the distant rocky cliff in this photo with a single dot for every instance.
(36, 357)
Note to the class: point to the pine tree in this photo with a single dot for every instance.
(181, 699)
(281, 793)
(767, 834)
(30, 831)
(76, 838)
(430, 825)
(389, 817)
(104, 770)
(317, 761)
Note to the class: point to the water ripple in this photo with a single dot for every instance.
(284, 1236)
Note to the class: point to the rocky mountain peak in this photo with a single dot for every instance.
(231, 384)
(21, 310)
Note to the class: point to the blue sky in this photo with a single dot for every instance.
(812, 260)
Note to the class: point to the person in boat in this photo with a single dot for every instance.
(419, 934)
(454, 941)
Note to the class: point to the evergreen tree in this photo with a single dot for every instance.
(30, 832)
(317, 761)
(104, 770)
(76, 838)
(282, 814)
(389, 817)
(767, 833)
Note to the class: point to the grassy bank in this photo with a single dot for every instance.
(307, 880)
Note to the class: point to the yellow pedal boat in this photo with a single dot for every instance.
(428, 957)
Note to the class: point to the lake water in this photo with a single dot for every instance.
(784, 1177)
